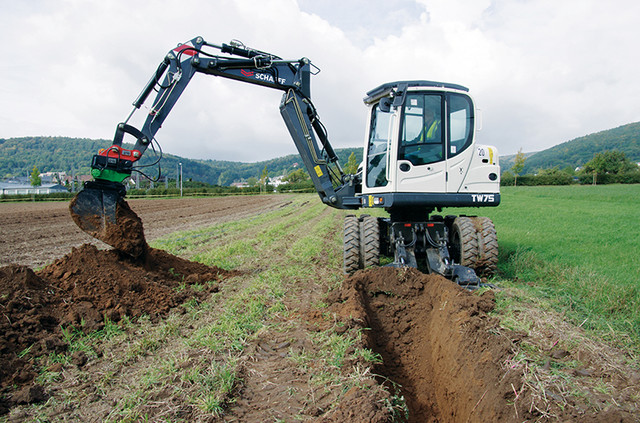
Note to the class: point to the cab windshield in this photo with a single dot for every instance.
(378, 148)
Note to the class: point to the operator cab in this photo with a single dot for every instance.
(420, 149)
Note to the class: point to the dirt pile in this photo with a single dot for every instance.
(80, 290)
(437, 343)
(107, 216)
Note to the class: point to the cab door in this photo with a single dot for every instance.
(421, 160)
(461, 128)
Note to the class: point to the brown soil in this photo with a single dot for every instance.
(88, 285)
(79, 291)
(123, 231)
(443, 352)
(36, 233)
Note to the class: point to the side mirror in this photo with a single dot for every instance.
(385, 104)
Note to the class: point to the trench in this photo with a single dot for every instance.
(440, 348)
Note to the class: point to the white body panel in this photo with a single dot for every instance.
(473, 169)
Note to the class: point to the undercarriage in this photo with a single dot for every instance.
(460, 248)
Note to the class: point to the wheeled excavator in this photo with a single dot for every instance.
(420, 156)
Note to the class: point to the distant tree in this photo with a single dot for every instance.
(609, 162)
(252, 181)
(224, 179)
(298, 175)
(553, 176)
(264, 177)
(518, 165)
(352, 165)
(35, 179)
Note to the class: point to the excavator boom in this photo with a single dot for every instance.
(100, 210)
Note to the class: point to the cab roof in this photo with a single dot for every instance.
(381, 90)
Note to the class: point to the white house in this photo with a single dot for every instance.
(8, 188)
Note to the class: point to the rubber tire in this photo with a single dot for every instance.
(487, 262)
(370, 241)
(351, 244)
(463, 242)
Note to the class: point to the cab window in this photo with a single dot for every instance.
(422, 132)
(378, 149)
(460, 123)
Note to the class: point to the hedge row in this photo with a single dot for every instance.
(38, 197)
(621, 178)
(562, 178)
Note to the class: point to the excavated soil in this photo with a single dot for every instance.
(79, 291)
(126, 235)
(436, 342)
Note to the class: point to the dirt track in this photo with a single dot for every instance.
(36, 233)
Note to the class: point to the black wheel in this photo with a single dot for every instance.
(463, 242)
(369, 241)
(487, 262)
(351, 243)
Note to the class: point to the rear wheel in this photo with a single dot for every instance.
(351, 244)
(463, 242)
(487, 261)
(370, 241)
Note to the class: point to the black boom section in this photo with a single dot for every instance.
(327, 177)
(258, 68)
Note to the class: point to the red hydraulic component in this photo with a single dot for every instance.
(118, 152)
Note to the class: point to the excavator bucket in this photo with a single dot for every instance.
(100, 210)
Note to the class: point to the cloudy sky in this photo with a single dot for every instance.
(542, 71)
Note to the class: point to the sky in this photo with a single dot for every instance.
(542, 72)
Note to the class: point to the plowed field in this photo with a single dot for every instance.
(244, 316)
(36, 233)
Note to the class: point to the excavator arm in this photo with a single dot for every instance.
(96, 209)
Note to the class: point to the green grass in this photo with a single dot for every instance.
(577, 246)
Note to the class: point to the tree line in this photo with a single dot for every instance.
(18, 156)
(557, 165)
(608, 167)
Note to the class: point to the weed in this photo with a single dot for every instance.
(300, 357)
(396, 403)
(368, 356)
(24, 352)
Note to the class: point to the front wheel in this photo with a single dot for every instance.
(361, 243)
(351, 244)
(463, 242)
(369, 241)
(487, 262)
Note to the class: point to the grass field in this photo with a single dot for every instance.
(579, 248)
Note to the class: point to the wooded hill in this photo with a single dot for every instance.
(73, 155)
(577, 152)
